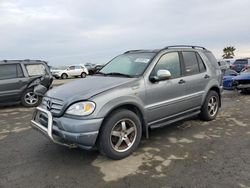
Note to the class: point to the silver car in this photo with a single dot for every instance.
(136, 91)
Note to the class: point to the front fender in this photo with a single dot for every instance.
(120, 102)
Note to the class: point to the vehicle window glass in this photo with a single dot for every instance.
(201, 63)
(19, 71)
(132, 64)
(72, 68)
(8, 71)
(212, 59)
(36, 69)
(190, 62)
(241, 62)
(230, 72)
(170, 62)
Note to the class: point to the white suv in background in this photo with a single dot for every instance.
(71, 71)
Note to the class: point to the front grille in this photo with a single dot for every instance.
(244, 81)
(53, 105)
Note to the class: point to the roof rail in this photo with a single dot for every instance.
(185, 46)
(132, 51)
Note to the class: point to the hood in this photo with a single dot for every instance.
(86, 88)
(244, 76)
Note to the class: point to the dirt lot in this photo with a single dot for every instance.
(188, 154)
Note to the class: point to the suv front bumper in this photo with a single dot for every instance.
(67, 131)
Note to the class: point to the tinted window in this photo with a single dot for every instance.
(36, 69)
(19, 71)
(171, 62)
(72, 68)
(8, 71)
(241, 62)
(201, 63)
(190, 62)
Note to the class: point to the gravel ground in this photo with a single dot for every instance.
(191, 153)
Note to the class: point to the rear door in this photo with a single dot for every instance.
(12, 82)
(78, 70)
(71, 71)
(195, 76)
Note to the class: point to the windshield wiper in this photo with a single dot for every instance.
(119, 74)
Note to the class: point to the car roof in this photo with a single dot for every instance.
(177, 47)
(25, 61)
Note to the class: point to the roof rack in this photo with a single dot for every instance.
(132, 51)
(185, 46)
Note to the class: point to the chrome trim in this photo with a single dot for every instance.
(170, 101)
(49, 130)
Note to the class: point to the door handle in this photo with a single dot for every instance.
(182, 81)
(206, 76)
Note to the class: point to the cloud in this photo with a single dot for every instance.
(65, 32)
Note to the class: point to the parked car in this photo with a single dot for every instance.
(93, 68)
(228, 79)
(136, 91)
(71, 71)
(18, 79)
(240, 64)
(242, 81)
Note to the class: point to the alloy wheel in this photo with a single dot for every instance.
(123, 135)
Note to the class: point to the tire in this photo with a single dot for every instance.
(64, 76)
(127, 130)
(210, 107)
(83, 75)
(29, 99)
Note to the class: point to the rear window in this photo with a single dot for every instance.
(212, 59)
(36, 69)
(10, 71)
(241, 62)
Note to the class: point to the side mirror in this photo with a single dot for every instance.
(40, 90)
(161, 75)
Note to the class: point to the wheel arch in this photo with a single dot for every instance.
(217, 90)
(134, 108)
(63, 74)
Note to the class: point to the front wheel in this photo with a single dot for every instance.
(30, 99)
(210, 107)
(83, 75)
(64, 76)
(120, 134)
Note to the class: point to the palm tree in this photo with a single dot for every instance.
(228, 52)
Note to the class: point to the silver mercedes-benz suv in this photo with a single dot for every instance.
(136, 91)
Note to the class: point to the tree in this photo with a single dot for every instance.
(228, 52)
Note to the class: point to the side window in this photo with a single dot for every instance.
(191, 64)
(36, 69)
(19, 71)
(169, 61)
(201, 63)
(8, 71)
(72, 68)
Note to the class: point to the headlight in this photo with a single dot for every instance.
(81, 108)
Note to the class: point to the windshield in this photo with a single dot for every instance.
(242, 62)
(132, 64)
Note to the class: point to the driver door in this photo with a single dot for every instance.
(165, 98)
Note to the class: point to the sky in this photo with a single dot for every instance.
(65, 32)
